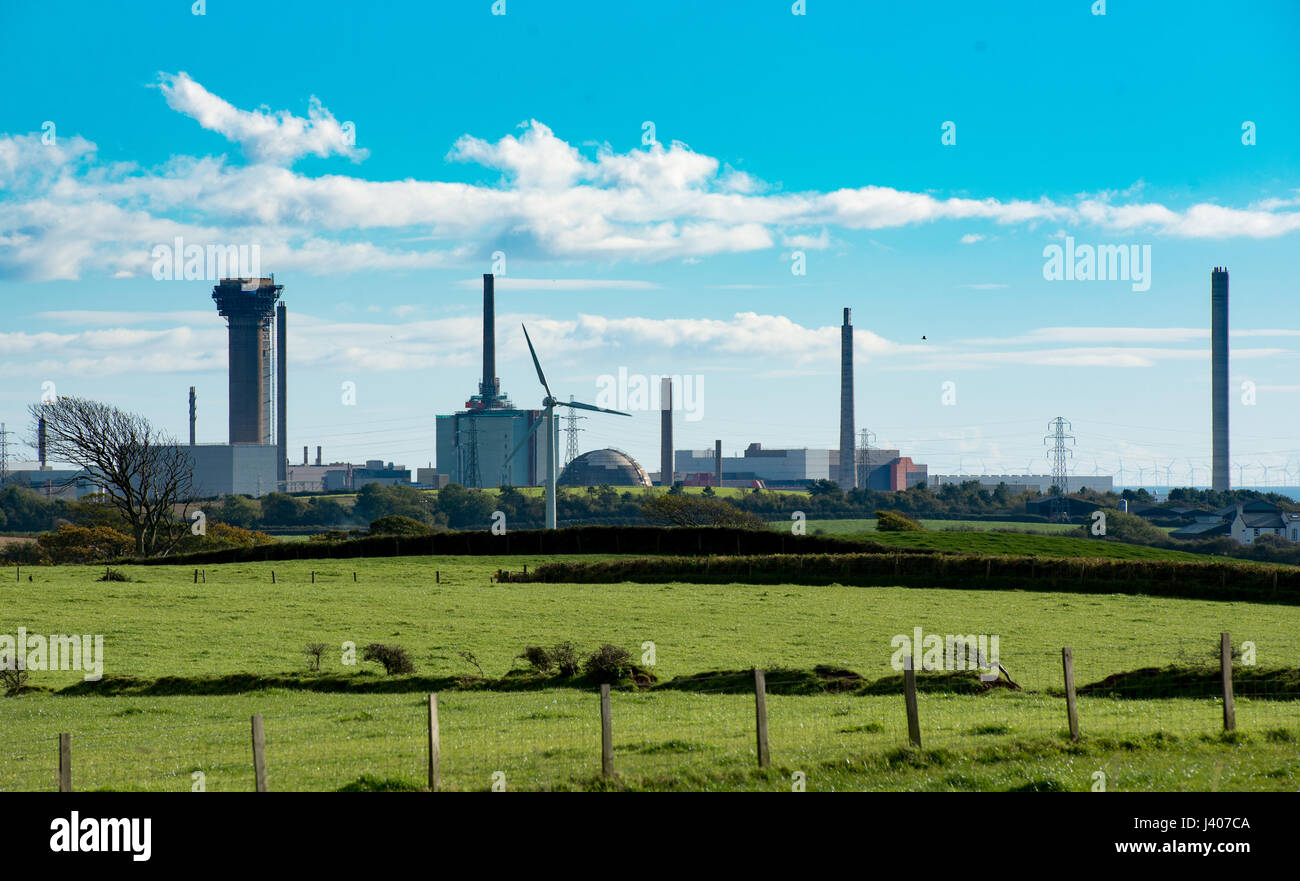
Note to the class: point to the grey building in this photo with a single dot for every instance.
(233, 469)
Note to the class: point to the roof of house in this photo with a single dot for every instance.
(1201, 529)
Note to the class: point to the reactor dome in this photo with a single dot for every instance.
(603, 468)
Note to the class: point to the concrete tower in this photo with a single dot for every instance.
(1220, 479)
(717, 463)
(848, 472)
(490, 386)
(193, 414)
(282, 395)
(666, 431)
(248, 304)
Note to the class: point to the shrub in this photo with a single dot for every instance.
(82, 544)
(393, 658)
(892, 521)
(22, 553)
(1129, 527)
(12, 681)
(314, 652)
(396, 524)
(565, 659)
(112, 575)
(539, 658)
(673, 509)
(609, 663)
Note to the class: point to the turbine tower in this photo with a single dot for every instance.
(549, 404)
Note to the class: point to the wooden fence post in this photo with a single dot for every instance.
(1225, 663)
(909, 695)
(313, 576)
(259, 753)
(606, 734)
(435, 747)
(65, 763)
(196, 576)
(273, 576)
(1071, 707)
(760, 715)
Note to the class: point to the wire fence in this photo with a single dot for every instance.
(707, 735)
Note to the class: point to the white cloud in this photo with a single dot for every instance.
(971, 238)
(66, 214)
(266, 136)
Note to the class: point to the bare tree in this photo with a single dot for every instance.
(141, 472)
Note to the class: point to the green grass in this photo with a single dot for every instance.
(238, 622)
(550, 740)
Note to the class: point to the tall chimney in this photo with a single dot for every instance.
(281, 394)
(193, 414)
(489, 387)
(248, 305)
(717, 463)
(40, 442)
(304, 454)
(1221, 479)
(318, 455)
(848, 476)
(666, 431)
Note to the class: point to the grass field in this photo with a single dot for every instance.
(239, 622)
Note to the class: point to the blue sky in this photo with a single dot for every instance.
(776, 134)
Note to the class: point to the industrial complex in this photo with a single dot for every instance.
(493, 443)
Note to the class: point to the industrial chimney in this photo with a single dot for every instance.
(318, 455)
(848, 476)
(281, 395)
(193, 414)
(305, 460)
(40, 442)
(666, 431)
(248, 305)
(1220, 479)
(490, 386)
(717, 463)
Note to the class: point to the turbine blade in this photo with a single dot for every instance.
(580, 406)
(524, 443)
(536, 363)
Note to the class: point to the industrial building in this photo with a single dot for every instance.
(254, 461)
(604, 468)
(794, 468)
(57, 483)
(1018, 483)
(232, 469)
(473, 445)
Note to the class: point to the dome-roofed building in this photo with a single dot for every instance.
(604, 468)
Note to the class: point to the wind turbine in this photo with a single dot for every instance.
(548, 416)
(1265, 467)
(1121, 471)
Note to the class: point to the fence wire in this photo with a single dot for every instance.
(663, 737)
